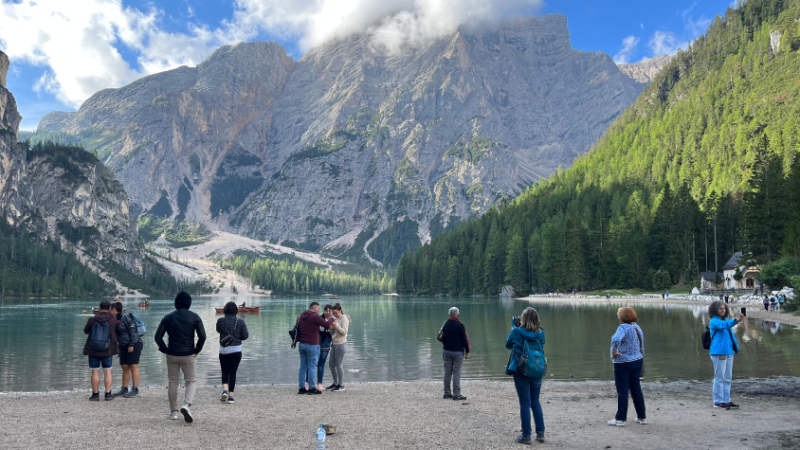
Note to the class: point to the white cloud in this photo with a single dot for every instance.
(666, 42)
(79, 41)
(628, 47)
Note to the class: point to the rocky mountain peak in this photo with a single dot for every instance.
(3, 69)
(645, 71)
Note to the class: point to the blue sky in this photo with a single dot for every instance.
(62, 52)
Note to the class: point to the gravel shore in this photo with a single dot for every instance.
(409, 415)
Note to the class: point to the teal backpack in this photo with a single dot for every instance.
(532, 362)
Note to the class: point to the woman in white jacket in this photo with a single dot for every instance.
(338, 347)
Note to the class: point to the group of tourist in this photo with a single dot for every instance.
(323, 337)
(627, 355)
(113, 332)
(774, 302)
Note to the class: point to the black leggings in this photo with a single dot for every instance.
(229, 364)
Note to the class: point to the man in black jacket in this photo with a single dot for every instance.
(181, 326)
(456, 349)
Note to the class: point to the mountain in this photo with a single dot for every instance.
(354, 150)
(703, 165)
(646, 71)
(63, 194)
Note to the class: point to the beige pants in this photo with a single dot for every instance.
(176, 364)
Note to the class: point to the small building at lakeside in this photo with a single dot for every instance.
(708, 280)
(749, 274)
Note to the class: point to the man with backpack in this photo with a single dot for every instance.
(129, 341)
(181, 325)
(100, 347)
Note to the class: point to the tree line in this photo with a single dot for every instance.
(703, 165)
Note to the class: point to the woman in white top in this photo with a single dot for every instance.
(338, 346)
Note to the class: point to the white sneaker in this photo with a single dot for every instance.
(174, 415)
(224, 397)
(187, 415)
(616, 423)
(640, 422)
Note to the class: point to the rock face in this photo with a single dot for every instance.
(352, 146)
(64, 194)
(645, 71)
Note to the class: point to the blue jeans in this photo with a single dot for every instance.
(309, 354)
(528, 390)
(626, 378)
(723, 372)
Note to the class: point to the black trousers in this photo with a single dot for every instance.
(229, 364)
(626, 377)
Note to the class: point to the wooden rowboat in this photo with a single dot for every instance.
(144, 305)
(249, 309)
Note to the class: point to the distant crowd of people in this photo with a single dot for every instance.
(323, 337)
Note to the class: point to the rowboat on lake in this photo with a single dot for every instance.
(248, 309)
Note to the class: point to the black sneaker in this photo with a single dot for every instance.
(732, 405)
(339, 388)
(522, 439)
(109, 396)
(132, 394)
(95, 397)
(302, 391)
(722, 405)
(331, 387)
(313, 391)
(448, 396)
(122, 391)
(540, 437)
(459, 397)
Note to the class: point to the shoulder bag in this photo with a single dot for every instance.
(294, 332)
(228, 338)
(440, 336)
(641, 347)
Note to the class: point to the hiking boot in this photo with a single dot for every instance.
(122, 391)
(174, 415)
(721, 405)
(109, 396)
(448, 396)
(522, 439)
(95, 397)
(132, 394)
(540, 437)
(313, 392)
(231, 400)
(459, 397)
(224, 397)
(303, 391)
(732, 405)
(187, 414)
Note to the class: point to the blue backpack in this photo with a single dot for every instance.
(141, 329)
(99, 339)
(532, 362)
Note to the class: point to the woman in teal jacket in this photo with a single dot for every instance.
(528, 388)
(723, 347)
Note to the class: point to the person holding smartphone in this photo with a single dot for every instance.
(723, 348)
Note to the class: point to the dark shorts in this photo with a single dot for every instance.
(129, 359)
(96, 361)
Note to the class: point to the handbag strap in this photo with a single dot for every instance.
(297, 331)
(639, 336)
(442, 329)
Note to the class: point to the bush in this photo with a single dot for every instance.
(780, 273)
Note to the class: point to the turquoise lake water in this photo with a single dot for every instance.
(390, 339)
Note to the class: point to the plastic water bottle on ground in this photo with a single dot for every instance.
(321, 438)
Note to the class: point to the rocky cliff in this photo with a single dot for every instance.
(645, 71)
(353, 148)
(63, 194)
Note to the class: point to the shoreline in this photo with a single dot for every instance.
(411, 415)
(753, 312)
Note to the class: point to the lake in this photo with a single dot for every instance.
(390, 339)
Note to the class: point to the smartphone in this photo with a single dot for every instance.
(744, 311)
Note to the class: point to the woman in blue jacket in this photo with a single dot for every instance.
(723, 347)
(528, 388)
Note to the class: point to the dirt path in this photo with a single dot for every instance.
(408, 416)
(753, 311)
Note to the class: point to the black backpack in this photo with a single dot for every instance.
(99, 339)
(707, 339)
